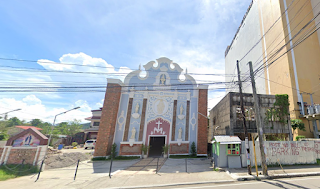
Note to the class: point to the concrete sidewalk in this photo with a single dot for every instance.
(275, 172)
(96, 175)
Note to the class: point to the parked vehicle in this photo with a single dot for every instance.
(90, 144)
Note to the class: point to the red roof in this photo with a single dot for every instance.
(27, 127)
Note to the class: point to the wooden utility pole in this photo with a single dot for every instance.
(258, 122)
(246, 134)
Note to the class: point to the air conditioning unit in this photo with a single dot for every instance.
(310, 110)
(317, 108)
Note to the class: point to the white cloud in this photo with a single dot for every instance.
(31, 100)
(99, 68)
(32, 108)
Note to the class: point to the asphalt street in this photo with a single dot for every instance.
(287, 183)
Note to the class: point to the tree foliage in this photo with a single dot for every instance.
(297, 124)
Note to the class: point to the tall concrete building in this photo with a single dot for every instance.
(281, 39)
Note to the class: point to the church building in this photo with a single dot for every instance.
(156, 107)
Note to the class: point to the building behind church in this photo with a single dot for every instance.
(154, 109)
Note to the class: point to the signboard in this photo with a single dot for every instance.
(27, 140)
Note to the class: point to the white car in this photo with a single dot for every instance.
(90, 144)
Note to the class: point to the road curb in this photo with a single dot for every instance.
(262, 177)
(180, 184)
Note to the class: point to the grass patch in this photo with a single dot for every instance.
(13, 171)
(184, 156)
(116, 158)
(318, 161)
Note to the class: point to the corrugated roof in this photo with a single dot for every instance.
(227, 139)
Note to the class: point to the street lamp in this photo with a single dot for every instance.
(50, 139)
(52, 127)
(6, 113)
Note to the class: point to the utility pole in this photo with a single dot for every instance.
(314, 122)
(258, 123)
(246, 134)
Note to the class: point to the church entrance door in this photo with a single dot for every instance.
(156, 144)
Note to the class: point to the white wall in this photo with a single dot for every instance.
(248, 35)
(285, 152)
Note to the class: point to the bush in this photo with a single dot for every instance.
(165, 149)
(145, 148)
(193, 149)
(74, 144)
(299, 137)
(297, 124)
(4, 136)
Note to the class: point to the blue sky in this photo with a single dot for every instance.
(118, 33)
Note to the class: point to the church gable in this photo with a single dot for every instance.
(156, 108)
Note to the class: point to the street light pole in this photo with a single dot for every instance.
(55, 117)
(9, 112)
(49, 140)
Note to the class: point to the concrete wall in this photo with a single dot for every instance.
(285, 152)
(15, 155)
(220, 116)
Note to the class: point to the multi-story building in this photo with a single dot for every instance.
(281, 39)
(92, 131)
(226, 118)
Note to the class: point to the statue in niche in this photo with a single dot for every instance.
(137, 108)
(181, 116)
(163, 79)
(181, 110)
(133, 133)
(136, 115)
(180, 133)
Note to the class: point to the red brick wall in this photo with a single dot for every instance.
(17, 155)
(176, 149)
(202, 122)
(108, 120)
(126, 149)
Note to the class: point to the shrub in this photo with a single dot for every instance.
(193, 149)
(74, 144)
(299, 137)
(145, 148)
(297, 124)
(165, 149)
(4, 136)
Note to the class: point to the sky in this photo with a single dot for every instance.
(109, 38)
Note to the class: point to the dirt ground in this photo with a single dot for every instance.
(66, 158)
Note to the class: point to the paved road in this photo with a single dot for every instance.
(288, 183)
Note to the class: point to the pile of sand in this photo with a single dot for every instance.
(65, 159)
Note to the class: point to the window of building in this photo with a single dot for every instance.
(233, 149)
(96, 123)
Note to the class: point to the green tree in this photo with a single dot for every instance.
(36, 122)
(46, 128)
(13, 122)
(297, 124)
(73, 128)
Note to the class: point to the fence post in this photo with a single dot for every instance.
(111, 165)
(157, 165)
(186, 164)
(39, 171)
(75, 174)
